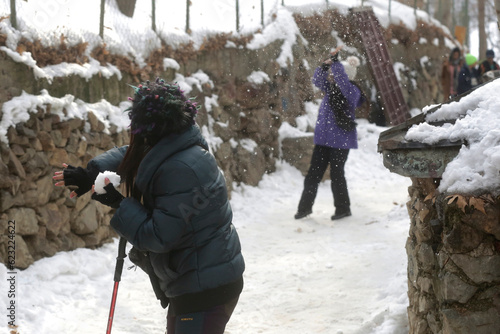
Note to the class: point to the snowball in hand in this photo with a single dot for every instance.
(99, 181)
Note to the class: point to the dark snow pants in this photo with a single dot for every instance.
(322, 157)
(212, 321)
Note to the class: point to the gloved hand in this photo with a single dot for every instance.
(111, 198)
(81, 177)
(334, 57)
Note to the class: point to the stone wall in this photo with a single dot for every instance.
(46, 219)
(453, 262)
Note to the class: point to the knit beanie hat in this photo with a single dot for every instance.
(160, 109)
(470, 59)
(351, 66)
(490, 54)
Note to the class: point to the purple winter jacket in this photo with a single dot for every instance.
(327, 133)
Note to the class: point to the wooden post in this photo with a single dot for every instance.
(13, 14)
(188, 29)
(262, 12)
(101, 20)
(497, 8)
(153, 15)
(237, 16)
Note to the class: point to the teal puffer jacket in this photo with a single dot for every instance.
(185, 220)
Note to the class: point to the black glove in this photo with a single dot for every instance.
(81, 177)
(111, 198)
(334, 57)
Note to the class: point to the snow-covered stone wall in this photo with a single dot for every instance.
(46, 219)
(453, 261)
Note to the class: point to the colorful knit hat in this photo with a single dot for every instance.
(470, 59)
(159, 109)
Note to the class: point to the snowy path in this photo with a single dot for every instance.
(307, 276)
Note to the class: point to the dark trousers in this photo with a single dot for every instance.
(212, 321)
(321, 157)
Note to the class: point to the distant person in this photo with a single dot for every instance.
(489, 64)
(176, 212)
(334, 135)
(468, 76)
(449, 73)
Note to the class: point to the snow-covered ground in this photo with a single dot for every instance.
(306, 276)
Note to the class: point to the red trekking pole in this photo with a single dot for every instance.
(118, 275)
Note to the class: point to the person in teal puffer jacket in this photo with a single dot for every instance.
(176, 213)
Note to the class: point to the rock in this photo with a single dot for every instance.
(53, 217)
(82, 148)
(36, 144)
(26, 220)
(40, 246)
(95, 124)
(44, 188)
(450, 288)
(24, 131)
(425, 256)
(96, 239)
(38, 164)
(46, 141)
(489, 223)
(86, 222)
(27, 156)
(71, 241)
(73, 142)
(58, 138)
(482, 269)
(23, 256)
(7, 200)
(466, 322)
(75, 124)
(297, 151)
(250, 166)
(17, 149)
(15, 138)
(462, 238)
(15, 166)
(106, 142)
(58, 157)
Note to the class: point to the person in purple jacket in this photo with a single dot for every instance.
(335, 134)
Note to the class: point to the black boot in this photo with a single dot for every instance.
(302, 214)
(341, 214)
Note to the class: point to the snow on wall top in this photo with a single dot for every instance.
(476, 168)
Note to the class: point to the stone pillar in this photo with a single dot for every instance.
(453, 262)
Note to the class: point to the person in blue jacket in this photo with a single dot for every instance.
(334, 135)
(176, 213)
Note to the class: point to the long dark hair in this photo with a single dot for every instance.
(137, 150)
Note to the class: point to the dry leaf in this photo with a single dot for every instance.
(461, 202)
(452, 198)
(477, 203)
